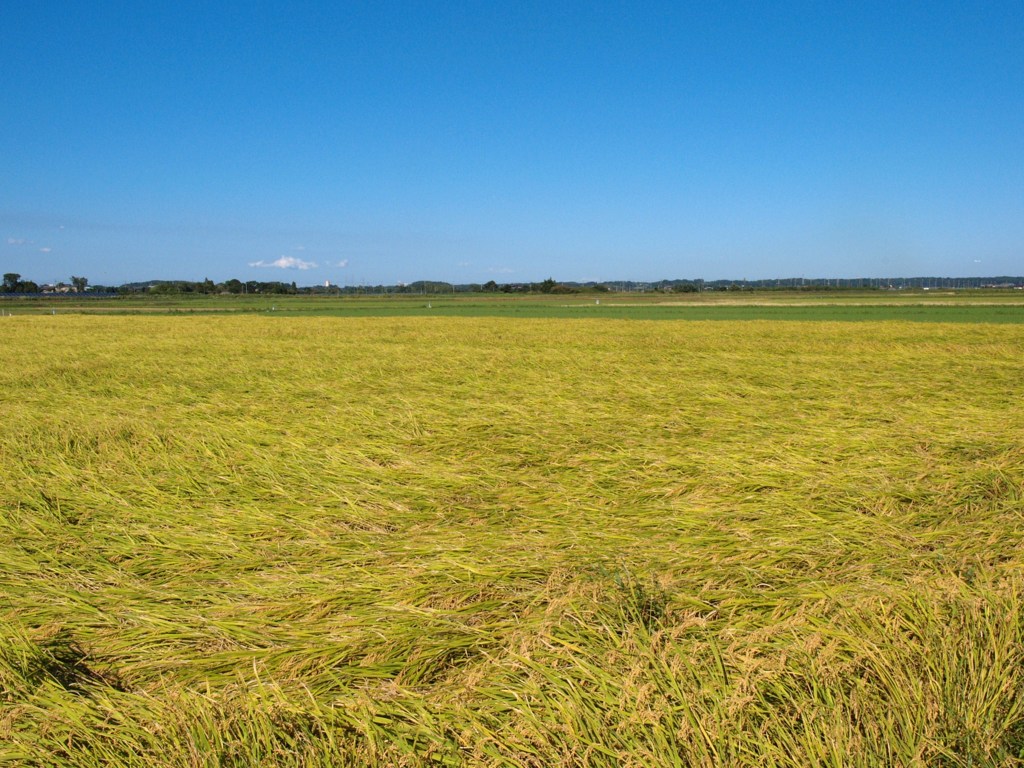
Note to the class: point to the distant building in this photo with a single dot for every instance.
(58, 288)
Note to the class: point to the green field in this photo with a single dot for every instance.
(257, 538)
(975, 306)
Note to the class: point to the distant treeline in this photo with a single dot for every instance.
(13, 284)
(550, 285)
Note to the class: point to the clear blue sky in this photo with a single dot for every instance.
(388, 142)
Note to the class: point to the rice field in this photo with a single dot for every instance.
(251, 540)
(963, 306)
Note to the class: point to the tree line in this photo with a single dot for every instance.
(14, 284)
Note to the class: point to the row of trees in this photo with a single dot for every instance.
(550, 285)
(14, 284)
(207, 286)
(418, 287)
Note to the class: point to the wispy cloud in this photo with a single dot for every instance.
(298, 247)
(343, 263)
(16, 241)
(285, 262)
(501, 270)
(463, 264)
(45, 250)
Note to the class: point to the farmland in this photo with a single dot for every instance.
(967, 306)
(294, 536)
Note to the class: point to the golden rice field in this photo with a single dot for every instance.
(263, 541)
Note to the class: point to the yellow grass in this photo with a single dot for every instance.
(471, 541)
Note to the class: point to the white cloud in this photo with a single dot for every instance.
(463, 264)
(285, 262)
(45, 250)
(16, 241)
(298, 247)
(501, 270)
(343, 263)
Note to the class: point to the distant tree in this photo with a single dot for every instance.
(491, 287)
(547, 286)
(11, 280)
(684, 286)
(27, 286)
(80, 283)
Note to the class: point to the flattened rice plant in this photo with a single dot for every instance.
(510, 542)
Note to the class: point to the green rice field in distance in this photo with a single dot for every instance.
(277, 537)
(974, 306)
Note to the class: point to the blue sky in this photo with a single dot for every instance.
(390, 142)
